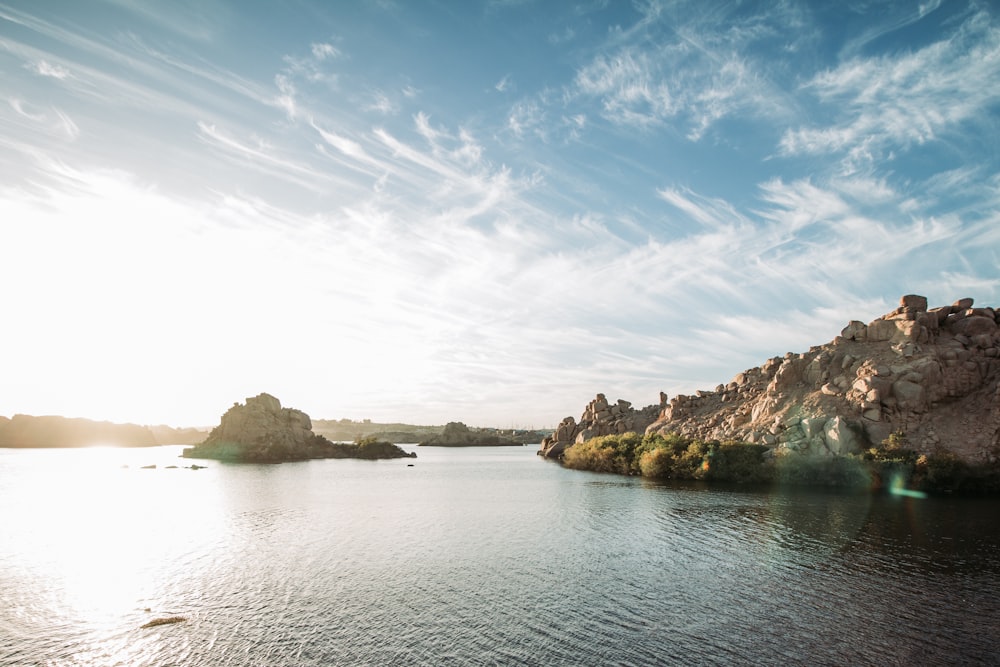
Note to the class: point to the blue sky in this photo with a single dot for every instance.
(475, 211)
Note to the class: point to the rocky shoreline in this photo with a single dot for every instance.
(929, 378)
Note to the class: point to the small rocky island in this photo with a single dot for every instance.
(457, 434)
(261, 431)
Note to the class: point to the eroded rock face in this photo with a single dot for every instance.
(932, 375)
(600, 418)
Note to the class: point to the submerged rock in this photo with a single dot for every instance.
(162, 621)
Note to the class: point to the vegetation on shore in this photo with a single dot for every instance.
(369, 448)
(890, 467)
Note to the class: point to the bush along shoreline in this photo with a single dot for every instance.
(891, 467)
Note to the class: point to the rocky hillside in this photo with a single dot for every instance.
(930, 377)
(261, 431)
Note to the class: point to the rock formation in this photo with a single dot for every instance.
(931, 377)
(600, 418)
(457, 434)
(261, 431)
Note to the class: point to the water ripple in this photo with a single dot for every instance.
(485, 558)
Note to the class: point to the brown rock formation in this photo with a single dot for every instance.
(261, 431)
(600, 418)
(932, 376)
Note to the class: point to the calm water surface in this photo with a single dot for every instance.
(476, 557)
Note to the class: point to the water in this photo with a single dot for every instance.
(475, 557)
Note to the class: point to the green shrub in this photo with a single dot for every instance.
(739, 462)
(670, 456)
(656, 463)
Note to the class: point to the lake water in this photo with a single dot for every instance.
(476, 557)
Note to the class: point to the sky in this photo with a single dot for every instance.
(488, 212)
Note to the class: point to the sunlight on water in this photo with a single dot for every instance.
(472, 557)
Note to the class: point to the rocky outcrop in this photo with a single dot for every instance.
(600, 418)
(931, 376)
(457, 434)
(261, 431)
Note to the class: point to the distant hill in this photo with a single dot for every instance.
(346, 430)
(457, 434)
(50, 431)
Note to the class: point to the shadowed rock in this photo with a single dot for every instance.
(261, 431)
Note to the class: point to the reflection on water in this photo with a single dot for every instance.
(476, 556)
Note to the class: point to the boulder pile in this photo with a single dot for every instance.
(930, 377)
(600, 418)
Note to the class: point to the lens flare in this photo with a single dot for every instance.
(898, 488)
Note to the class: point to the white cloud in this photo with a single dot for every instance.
(57, 122)
(286, 98)
(689, 69)
(382, 104)
(22, 109)
(66, 125)
(895, 102)
(526, 117)
(631, 93)
(262, 158)
(323, 51)
(45, 68)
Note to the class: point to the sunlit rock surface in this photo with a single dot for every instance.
(931, 376)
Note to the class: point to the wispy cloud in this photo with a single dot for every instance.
(57, 122)
(382, 104)
(262, 158)
(888, 103)
(286, 96)
(688, 72)
(897, 17)
(322, 51)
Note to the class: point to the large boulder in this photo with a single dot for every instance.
(842, 437)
